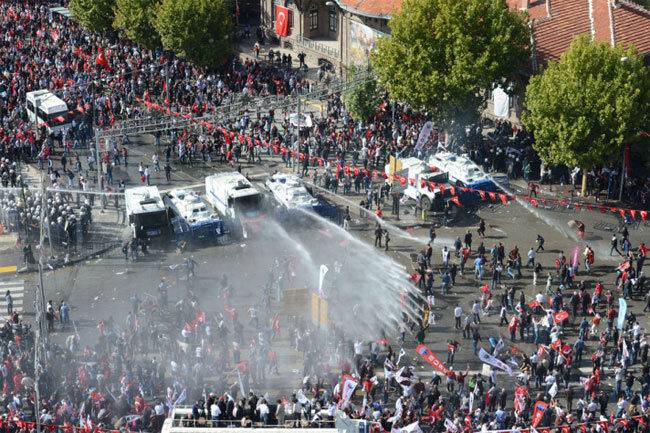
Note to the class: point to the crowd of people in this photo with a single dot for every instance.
(117, 381)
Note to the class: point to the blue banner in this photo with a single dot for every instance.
(622, 311)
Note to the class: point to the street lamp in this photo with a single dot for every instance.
(625, 59)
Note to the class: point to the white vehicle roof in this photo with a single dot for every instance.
(459, 167)
(48, 101)
(235, 182)
(143, 199)
(190, 206)
(290, 190)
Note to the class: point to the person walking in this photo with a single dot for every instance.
(10, 303)
(531, 257)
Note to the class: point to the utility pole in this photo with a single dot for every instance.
(41, 334)
(299, 125)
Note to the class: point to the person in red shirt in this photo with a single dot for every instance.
(611, 315)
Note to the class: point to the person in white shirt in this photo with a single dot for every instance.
(531, 257)
(457, 314)
(445, 257)
(214, 414)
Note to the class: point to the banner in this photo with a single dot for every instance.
(349, 385)
(281, 20)
(575, 257)
(431, 359)
(321, 279)
(520, 393)
(501, 102)
(363, 41)
(489, 359)
(424, 135)
(450, 426)
(622, 311)
(540, 408)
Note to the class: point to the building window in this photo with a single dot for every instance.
(313, 18)
(333, 20)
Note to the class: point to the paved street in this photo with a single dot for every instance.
(101, 287)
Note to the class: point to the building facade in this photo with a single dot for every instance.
(335, 32)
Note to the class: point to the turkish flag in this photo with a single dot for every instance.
(101, 60)
(456, 200)
(281, 21)
(562, 315)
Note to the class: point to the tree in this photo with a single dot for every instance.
(136, 17)
(444, 54)
(96, 15)
(583, 108)
(363, 100)
(198, 30)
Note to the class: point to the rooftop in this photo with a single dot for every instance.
(372, 8)
(556, 22)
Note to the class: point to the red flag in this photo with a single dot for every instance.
(602, 425)
(452, 189)
(431, 358)
(644, 215)
(432, 186)
(493, 196)
(482, 193)
(504, 198)
(456, 200)
(567, 350)
(281, 20)
(276, 324)
(534, 304)
(188, 328)
(540, 408)
(102, 60)
(416, 277)
(441, 187)
(562, 315)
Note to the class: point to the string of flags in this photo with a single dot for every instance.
(231, 136)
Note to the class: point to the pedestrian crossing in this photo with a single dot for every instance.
(17, 290)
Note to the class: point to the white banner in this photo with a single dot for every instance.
(450, 426)
(489, 359)
(411, 428)
(424, 135)
(348, 390)
(321, 279)
(398, 411)
(501, 102)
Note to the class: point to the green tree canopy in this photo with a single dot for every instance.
(96, 15)
(443, 54)
(198, 30)
(136, 17)
(363, 100)
(583, 108)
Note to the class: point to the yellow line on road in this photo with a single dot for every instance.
(6, 269)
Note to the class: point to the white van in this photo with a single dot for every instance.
(45, 107)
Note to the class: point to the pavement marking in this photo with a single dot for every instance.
(17, 289)
(6, 269)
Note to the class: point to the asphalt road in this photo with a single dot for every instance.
(102, 287)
